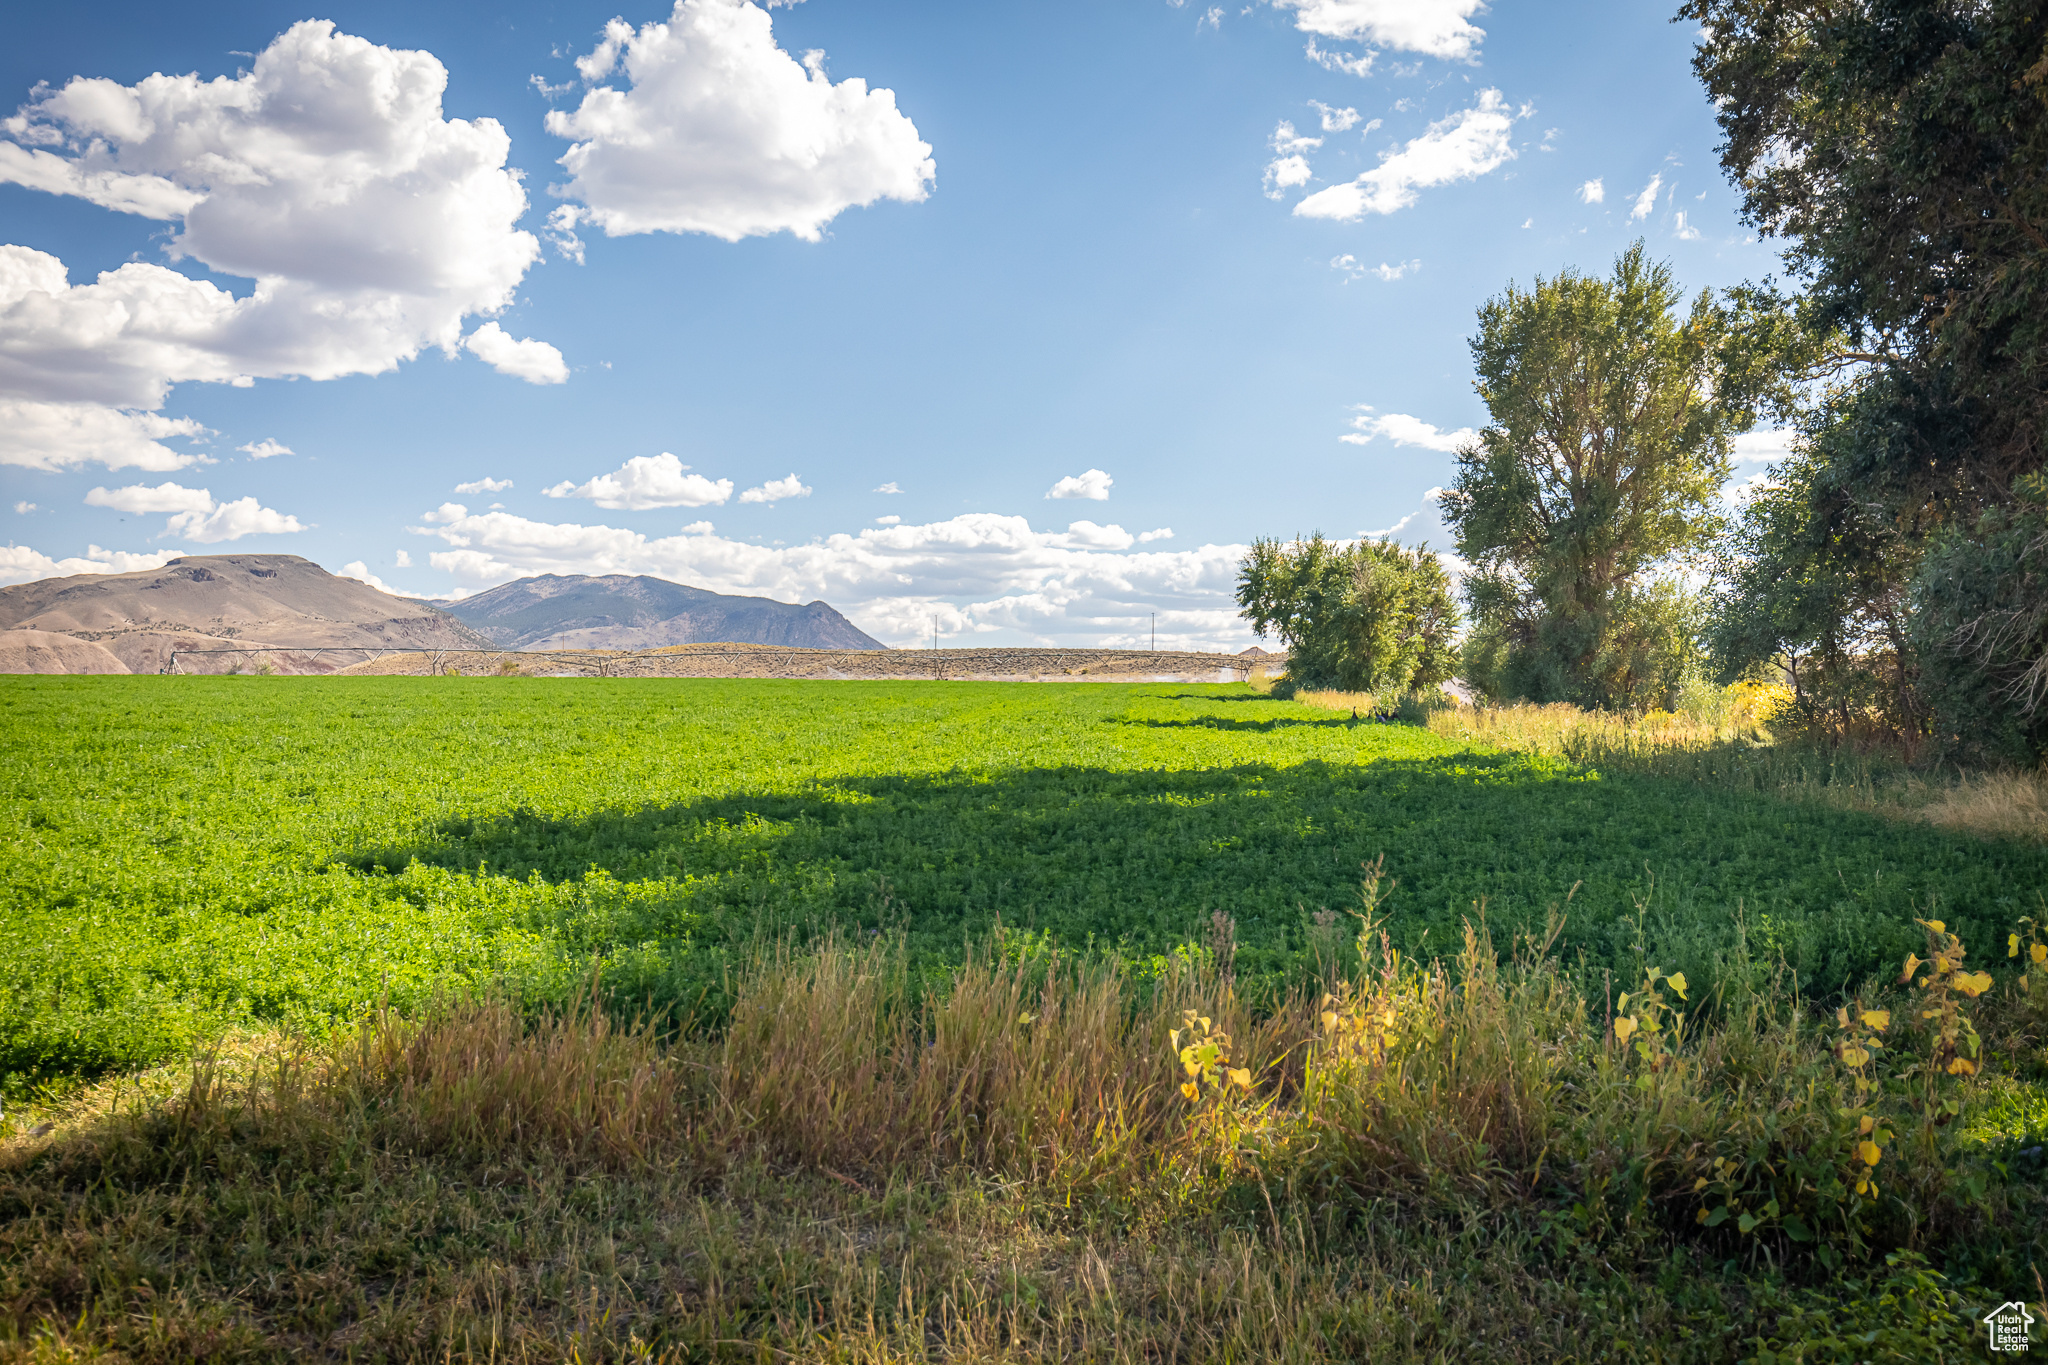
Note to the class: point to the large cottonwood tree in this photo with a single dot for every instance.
(1614, 410)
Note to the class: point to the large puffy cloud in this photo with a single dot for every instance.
(722, 132)
(1404, 430)
(194, 513)
(20, 564)
(642, 482)
(979, 573)
(1435, 28)
(371, 226)
(54, 435)
(1467, 144)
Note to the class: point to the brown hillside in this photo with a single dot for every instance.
(42, 651)
(227, 602)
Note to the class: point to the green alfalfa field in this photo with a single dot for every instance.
(560, 1018)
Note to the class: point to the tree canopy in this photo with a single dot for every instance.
(1370, 616)
(1900, 150)
(1613, 416)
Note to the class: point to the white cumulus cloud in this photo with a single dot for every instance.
(1285, 173)
(1404, 430)
(775, 490)
(264, 449)
(889, 487)
(194, 513)
(1686, 232)
(1647, 200)
(1435, 28)
(370, 224)
(1094, 485)
(165, 497)
(1593, 192)
(58, 435)
(647, 481)
(1335, 120)
(718, 130)
(20, 564)
(484, 486)
(1467, 144)
(1163, 533)
(1285, 139)
(360, 571)
(536, 362)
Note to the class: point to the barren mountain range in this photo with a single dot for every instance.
(132, 622)
(207, 602)
(621, 611)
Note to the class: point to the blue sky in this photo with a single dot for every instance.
(1160, 259)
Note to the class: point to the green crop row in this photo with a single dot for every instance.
(185, 855)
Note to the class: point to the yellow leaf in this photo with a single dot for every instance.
(1699, 1185)
(2039, 952)
(1205, 1023)
(1863, 1187)
(1188, 1088)
(1973, 984)
(1623, 1028)
(1867, 1124)
(1877, 1019)
(1912, 966)
(2012, 945)
(1677, 980)
(1962, 1066)
(1842, 1016)
(1869, 1151)
(1241, 1077)
(1936, 925)
(1702, 1214)
(1854, 1056)
(1329, 1022)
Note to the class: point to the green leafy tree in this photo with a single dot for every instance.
(1613, 416)
(1814, 585)
(1899, 148)
(1371, 616)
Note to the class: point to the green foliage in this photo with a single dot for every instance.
(1982, 632)
(1900, 149)
(1367, 617)
(179, 856)
(1612, 418)
(1816, 586)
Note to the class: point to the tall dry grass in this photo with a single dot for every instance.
(1003, 1166)
(1723, 736)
